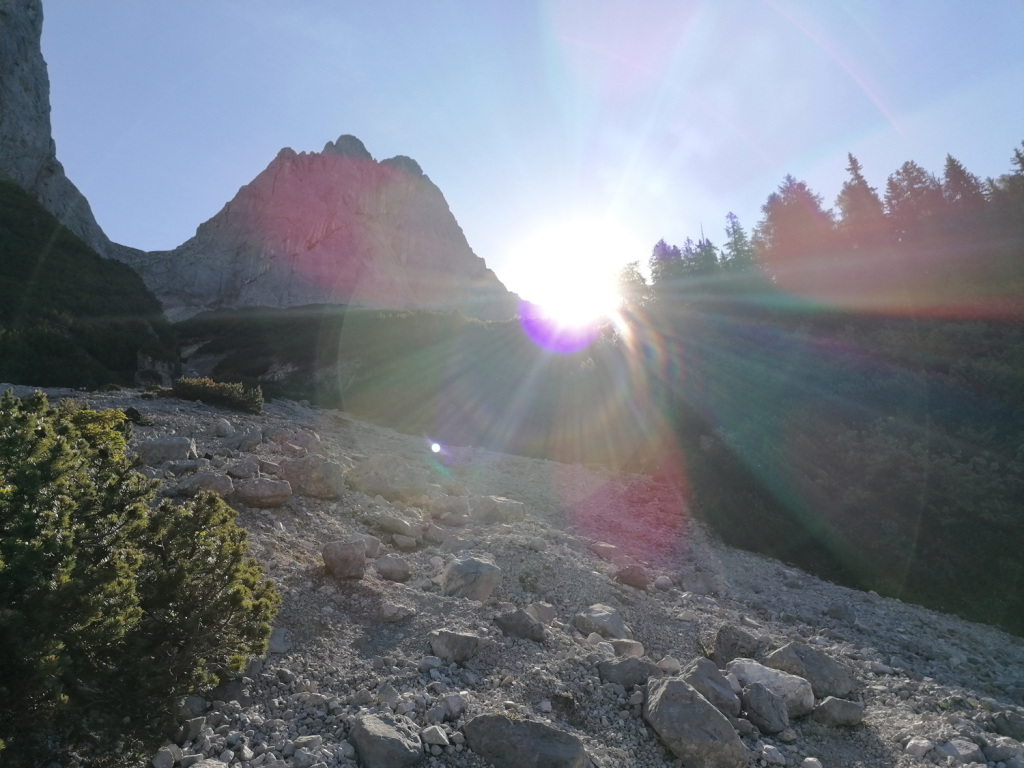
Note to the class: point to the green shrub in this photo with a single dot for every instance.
(109, 610)
(236, 396)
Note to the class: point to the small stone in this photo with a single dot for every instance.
(345, 559)
(604, 620)
(839, 712)
(663, 583)
(519, 623)
(669, 665)
(164, 758)
(404, 543)
(918, 746)
(471, 577)
(627, 647)
(453, 646)
(810, 762)
(393, 568)
(633, 575)
(772, 756)
(434, 734)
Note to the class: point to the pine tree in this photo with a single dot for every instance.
(738, 252)
(861, 218)
(913, 203)
(108, 610)
(794, 224)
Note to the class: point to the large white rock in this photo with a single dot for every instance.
(690, 726)
(795, 690)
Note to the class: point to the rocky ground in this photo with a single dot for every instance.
(548, 626)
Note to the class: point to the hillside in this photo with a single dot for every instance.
(67, 316)
(372, 648)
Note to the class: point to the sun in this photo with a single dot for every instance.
(570, 269)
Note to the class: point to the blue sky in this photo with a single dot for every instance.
(653, 118)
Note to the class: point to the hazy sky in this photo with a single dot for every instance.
(654, 116)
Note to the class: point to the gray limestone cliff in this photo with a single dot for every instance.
(28, 155)
(329, 227)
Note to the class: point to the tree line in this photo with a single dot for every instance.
(846, 386)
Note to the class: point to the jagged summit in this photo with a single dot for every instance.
(330, 227)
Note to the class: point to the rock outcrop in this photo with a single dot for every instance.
(28, 154)
(330, 227)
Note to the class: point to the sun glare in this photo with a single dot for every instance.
(569, 270)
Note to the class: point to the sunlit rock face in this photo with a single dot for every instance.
(329, 227)
(28, 156)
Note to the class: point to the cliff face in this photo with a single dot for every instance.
(28, 156)
(329, 227)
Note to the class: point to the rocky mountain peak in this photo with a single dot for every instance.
(330, 227)
(348, 145)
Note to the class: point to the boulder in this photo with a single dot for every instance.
(795, 690)
(372, 544)
(827, 676)
(157, 451)
(386, 741)
(963, 752)
(244, 469)
(519, 623)
(627, 672)
(765, 709)
(839, 712)
(1009, 723)
(690, 726)
(470, 576)
(393, 568)
(404, 543)
(396, 524)
(633, 575)
(627, 647)
(496, 509)
(507, 743)
(262, 492)
(732, 642)
(345, 559)
(453, 646)
(703, 675)
(602, 619)
(1003, 748)
(195, 484)
(314, 476)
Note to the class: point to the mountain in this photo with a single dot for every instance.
(330, 227)
(333, 227)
